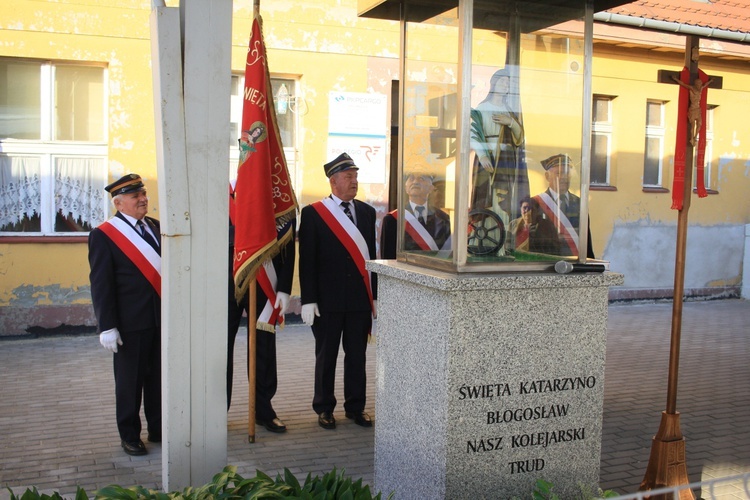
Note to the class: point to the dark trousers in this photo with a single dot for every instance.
(266, 380)
(137, 366)
(350, 329)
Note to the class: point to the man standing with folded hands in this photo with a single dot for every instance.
(125, 261)
(336, 237)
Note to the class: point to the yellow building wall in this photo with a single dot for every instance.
(631, 76)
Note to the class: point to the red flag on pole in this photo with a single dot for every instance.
(264, 200)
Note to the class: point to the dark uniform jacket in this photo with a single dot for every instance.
(327, 273)
(122, 297)
(437, 223)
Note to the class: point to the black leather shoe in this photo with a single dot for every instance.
(360, 418)
(137, 448)
(274, 425)
(326, 420)
(153, 437)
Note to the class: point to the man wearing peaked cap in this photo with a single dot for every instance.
(125, 260)
(426, 226)
(126, 184)
(560, 205)
(338, 295)
(341, 163)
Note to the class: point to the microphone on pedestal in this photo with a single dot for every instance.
(565, 267)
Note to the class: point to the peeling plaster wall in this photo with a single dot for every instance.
(646, 256)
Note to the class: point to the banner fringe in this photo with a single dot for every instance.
(246, 274)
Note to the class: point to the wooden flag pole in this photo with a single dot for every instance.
(252, 319)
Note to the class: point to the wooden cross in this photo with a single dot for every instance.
(667, 463)
(695, 88)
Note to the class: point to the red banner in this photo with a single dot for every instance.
(264, 200)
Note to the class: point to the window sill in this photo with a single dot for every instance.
(655, 190)
(44, 239)
(601, 187)
(708, 191)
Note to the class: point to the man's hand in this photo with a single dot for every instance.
(375, 309)
(309, 311)
(282, 302)
(110, 339)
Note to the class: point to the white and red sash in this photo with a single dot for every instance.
(567, 232)
(268, 281)
(349, 236)
(135, 248)
(417, 231)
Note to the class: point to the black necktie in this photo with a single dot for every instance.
(347, 211)
(146, 235)
(420, 216)
(563, 202)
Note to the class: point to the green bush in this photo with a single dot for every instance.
(543, 490)
(229, 485)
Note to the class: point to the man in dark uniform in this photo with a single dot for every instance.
(561, 206)
(124, 256)
(266, 380)
(427, 227)
(336, 237)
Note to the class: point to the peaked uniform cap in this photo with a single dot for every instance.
(561, 160)
(417, 171)
(341, 163)
(126, 184)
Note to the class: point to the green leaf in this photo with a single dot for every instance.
(116, 492)
(291, 480)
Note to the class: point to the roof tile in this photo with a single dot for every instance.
(730, 15)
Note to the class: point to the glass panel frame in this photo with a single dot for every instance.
(486, 152)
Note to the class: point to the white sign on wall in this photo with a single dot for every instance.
(357, 125)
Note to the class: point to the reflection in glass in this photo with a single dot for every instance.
(79, 104)
(496, 120)
(20, 100)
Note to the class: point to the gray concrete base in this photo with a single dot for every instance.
(486, 383)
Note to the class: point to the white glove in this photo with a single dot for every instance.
(282, 302)
(374, 308)
(110, 339)
(309, 311)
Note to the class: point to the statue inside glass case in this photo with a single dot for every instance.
(499, 170)
(497, 139)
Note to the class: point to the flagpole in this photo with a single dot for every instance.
(251, 343)
(252, 333)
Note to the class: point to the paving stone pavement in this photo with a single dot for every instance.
(57, 427)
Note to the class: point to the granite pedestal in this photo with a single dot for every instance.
(488, 382)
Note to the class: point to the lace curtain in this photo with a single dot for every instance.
(20, 188)
(79, 189)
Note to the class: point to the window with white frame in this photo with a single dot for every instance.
(708, 173)
(601, 140)
(53, 147)
(654, 148)
(288, 108)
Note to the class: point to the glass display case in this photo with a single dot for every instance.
(494, 142)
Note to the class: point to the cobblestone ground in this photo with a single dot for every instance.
(57, 428)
